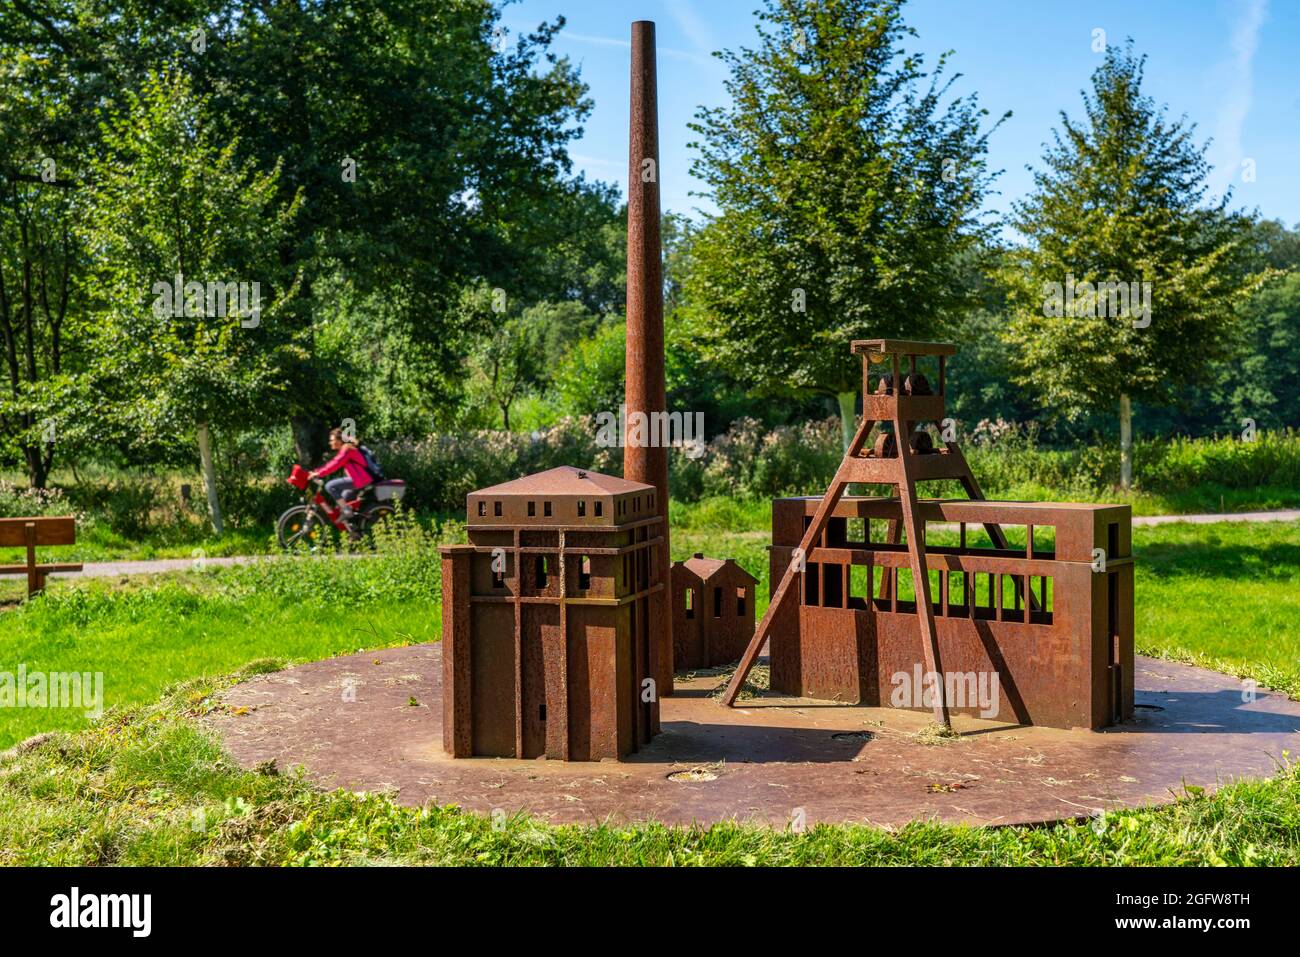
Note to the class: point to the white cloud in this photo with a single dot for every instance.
(1234, 76)
(694, 29)
(591, 40)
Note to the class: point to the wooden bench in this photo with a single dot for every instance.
(31, 532)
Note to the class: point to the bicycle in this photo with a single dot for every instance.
(318, 524)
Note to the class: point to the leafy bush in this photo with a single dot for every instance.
(1166, 466)
(440, 470)
(752, 461)
(129, 506)
(1271, 459)
(250, 478)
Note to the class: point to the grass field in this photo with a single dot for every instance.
(130, 787)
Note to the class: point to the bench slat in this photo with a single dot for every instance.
(50, 530)
(44, 569)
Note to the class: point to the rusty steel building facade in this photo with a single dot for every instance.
(548, 619)
(1045, 615)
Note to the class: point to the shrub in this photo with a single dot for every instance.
(441, 469)
(17, 501)
(129, 506)
(405, 565)
(753, 462)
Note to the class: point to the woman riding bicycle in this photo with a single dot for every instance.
(349, 458)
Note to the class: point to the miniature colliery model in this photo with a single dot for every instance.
(712, 611)
(547, 619)
(1035, 632)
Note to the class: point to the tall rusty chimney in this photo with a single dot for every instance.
(648, 462)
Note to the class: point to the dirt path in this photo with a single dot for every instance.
(157, 565)
(1279, 515)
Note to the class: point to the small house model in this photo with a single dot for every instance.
(712, 611)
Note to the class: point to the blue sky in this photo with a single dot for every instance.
(1233, 66)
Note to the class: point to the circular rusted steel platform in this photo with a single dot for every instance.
(771, 759)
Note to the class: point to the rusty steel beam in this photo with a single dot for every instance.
(824, 509)
(647, 462)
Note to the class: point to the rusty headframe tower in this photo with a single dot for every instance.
(1052, 619)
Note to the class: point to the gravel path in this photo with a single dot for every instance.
(153, 566)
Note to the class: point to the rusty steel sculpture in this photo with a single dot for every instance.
(558, 633)
(1054, 623)
(712, 611)
(548, 618)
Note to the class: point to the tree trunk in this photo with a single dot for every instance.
(308, 443)
(505, 416)
(38, 472)
(1125, 443)
(209, 476)
(848, 416)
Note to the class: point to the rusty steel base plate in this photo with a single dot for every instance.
(770, 759)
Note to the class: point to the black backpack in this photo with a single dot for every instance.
(372, 464)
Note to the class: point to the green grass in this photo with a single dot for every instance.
(1206, 499)
(147, 785)
(99, 543)
(144, 634)
(1226, 596)
(164, 633)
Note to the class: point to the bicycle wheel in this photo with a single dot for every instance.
(302, 529)
(377, 516)
(369, 520)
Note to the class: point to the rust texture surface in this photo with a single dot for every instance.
(712, 611)
(1052, 626)
(547, 618)
(766, 757)
(647, 461)
(1048, 631)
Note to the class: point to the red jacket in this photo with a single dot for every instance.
(353, 462)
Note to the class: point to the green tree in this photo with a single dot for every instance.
(1261, 384)
(430, 150)
(590, 379)
(428, 146)
(51, 78)
(191, 286)
(507, 360)
(41, 310)
(847, 181)
(1122, 200)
